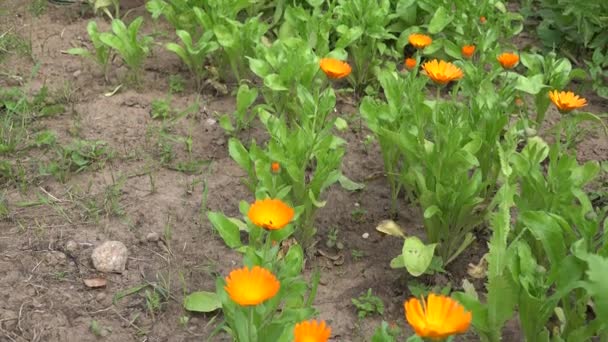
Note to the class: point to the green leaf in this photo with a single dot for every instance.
(348, 184)
(202, 301)
(416, 255)
(227, 229)
(315, 202)
(531, 85)
(431, 211)
(79, 52)
(440, 20)
(274, 82)
(239, 154)
(341, 124)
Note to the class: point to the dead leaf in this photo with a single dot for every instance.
(480, 270)
(391, 228)
(95, 283)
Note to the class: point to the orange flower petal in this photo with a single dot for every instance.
(311, 331)
(335, 68)
(566, 101)
(442, 72)
(249, 287)
(468, 51)
(270, 214)
(438, 317)
(420, 41)
(275, 167)
(508, 60)
(410, 63)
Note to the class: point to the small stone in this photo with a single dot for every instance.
(71, 247)
(110, 257)
(210, 122)
(365, 235)
(152, 237)
(95, 283)
(77, 73)
(357, 204)
(100, 296)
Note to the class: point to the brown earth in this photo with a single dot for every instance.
(45, 247)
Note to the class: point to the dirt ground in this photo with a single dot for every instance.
(46, 242)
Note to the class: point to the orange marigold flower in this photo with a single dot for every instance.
(442, 72)
(335, 68)
(420, 41)
(566, 101)
(249, 287)
(468, 51)
(311, 331)
(438, 317)
(275, 167)
(270, 214)
(410, 63)
(482, 19)
(508, 60)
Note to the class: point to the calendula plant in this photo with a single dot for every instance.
(128, 44)
(308, 157)
(548, 264)
(363, 30)
(284, 67)
(268, 297)
(179, 13)
(101, 51)
(194, 54)
(421, 139)
(105, 6)
(313, 26)
(243, 115)
(238, 39)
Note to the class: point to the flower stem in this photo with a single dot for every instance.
(250, 325)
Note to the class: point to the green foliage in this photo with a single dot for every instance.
(578, 30)
(161, 109)
(101, 51)
(368, 304)
(194, 55)
(285, 66)
(238, 39)
(127, 42)
(243, 115)
(177, 12)
(364, 29)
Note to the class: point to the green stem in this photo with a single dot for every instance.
(250, 324)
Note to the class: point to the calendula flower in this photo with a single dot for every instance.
(442, 72)
(335, 68)
(508, 60)
(270, 214)
(566, 101)
(249, 287)
(420, 41)
(275, 167)
(438, 317)
(311, 331)
(482, 19)
(410, 63)
(468, 51)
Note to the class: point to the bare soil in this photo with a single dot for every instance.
(45, 246)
